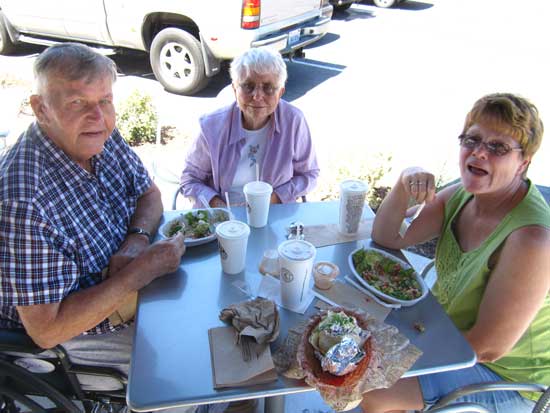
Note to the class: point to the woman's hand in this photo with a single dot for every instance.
(217, 202)
(275, 198)
(419, 184)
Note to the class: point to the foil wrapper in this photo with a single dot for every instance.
(341, 358)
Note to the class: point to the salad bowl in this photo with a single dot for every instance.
(197, 225)
(386, 276)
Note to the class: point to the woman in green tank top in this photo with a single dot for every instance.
(491, 258)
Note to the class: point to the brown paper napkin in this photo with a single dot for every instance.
(257, 318)
(228, 367)
(344, 295)
(328, 234)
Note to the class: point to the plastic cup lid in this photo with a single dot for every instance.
(233, 230)
(353, 185)
(324, 268)
(297, 250)
(257, 188)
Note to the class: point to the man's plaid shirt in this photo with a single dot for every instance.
(59, 224)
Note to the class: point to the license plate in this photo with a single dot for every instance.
(294, 36)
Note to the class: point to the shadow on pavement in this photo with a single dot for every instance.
(353, 13)
(406, 5)
(306, 74)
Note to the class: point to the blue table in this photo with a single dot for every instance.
(171, 359)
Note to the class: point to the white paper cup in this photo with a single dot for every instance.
(232, 243)
(295, 262)
(258, 197)
(352, 201)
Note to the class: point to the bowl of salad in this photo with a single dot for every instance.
(197, 225)
(386, 276)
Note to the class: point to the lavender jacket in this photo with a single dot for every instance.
(289, 163)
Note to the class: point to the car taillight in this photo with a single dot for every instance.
(251, 14)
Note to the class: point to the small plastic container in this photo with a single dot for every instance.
(270, 263)
(324, 274)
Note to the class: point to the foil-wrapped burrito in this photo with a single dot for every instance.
(338, 342)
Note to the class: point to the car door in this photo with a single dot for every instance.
(85, 20)
(41, 17)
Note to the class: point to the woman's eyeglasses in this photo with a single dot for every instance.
(267, 88)
(493, 147)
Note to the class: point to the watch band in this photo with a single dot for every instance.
(140, 231)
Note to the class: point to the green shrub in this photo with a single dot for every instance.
(371, 169)
(137, 120)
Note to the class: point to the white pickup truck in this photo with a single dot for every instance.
(187, 40)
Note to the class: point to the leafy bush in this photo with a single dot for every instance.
(371, 170)
(137, 120)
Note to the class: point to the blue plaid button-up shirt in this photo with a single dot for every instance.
(59, 224)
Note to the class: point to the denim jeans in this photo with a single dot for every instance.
(434, 386)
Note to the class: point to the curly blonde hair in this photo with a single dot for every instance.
(510, 114)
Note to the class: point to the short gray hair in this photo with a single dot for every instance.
(260, 60)
(72, 61)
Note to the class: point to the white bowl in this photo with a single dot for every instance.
(191, 242)
(376, 291)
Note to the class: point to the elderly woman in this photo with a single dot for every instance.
(492, 257)
(259, 133)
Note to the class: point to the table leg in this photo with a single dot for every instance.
(274, 404)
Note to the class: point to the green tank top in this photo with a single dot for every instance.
(463, 276)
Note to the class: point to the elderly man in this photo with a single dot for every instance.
(77, 210)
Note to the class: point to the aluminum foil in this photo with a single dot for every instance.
(341, 358)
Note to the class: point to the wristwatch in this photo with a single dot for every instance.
(140, 231)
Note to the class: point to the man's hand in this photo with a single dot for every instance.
(132, 246)
(164, 257)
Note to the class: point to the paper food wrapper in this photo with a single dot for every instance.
(391, 355)
(228, 367)
(329, 234)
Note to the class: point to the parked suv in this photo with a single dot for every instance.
(187, 40)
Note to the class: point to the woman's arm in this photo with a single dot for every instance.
(419, 185)
(517, 287)
(304, 165)
(198, 171)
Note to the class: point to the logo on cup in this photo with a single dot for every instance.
(286, 275)
(223, 254)
(249, 208)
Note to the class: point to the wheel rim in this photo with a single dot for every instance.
(177, 64)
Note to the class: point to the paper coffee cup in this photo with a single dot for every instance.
(295, 263)
(232, 243)
(352, 201)
(258, 197)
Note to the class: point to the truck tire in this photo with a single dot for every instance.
(385, 3)
(342, 7)
(6, 45)
(177, 61)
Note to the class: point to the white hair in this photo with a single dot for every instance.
(71, 61)
(260, 60)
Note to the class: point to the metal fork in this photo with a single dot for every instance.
(408, 221)
(246, 342)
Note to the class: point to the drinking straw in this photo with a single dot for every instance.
(257, 171)
(228, 205)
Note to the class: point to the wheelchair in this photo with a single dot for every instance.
(39, 384)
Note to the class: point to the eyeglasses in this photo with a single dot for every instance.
(493, 147)
(249, 88)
